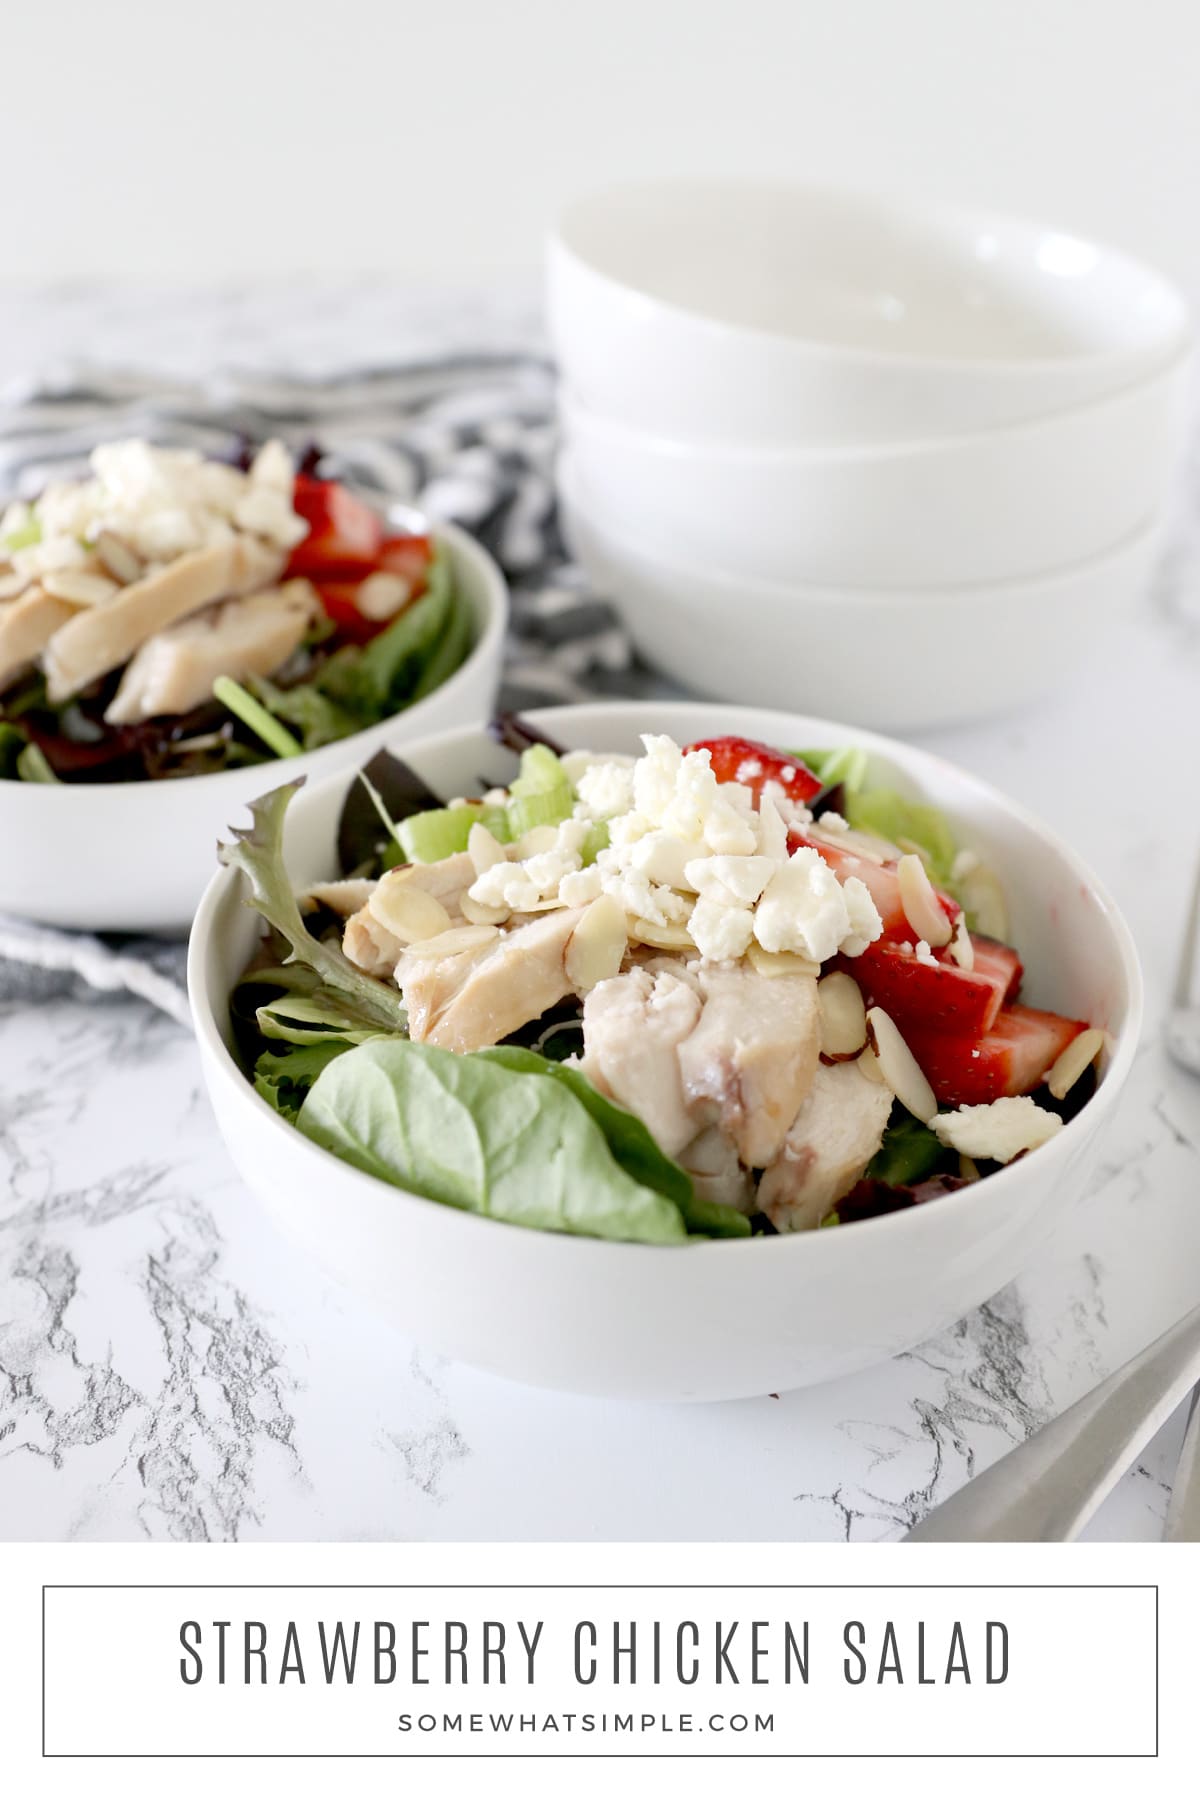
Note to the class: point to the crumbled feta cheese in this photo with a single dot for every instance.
(998, 1131)
(806, 909)
(731, 880)
(581, 888)
(606, 788)
(772, 830)
(720, 933)
(833, 821)
(925, 954)
(790, 810)
(749, 770)
(662, 857)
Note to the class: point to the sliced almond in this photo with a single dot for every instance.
(983, 897)
(663, 937)
(382, 595)
(407, 911)
(597, 945)
(961, 947)
(80, 587)
(13, 584)
(537, 840)
(968, 1169)
(868, 1062)
(1079, 1055)
(455, 942)
(773, 963)
(922, 908)
(843, 1015)
(484, 849)
(121, 562)
(899, 1067)
(863, 843)
(476, 913)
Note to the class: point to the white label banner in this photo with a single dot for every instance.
(527, 1670)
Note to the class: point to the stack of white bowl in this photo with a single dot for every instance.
(891, 462)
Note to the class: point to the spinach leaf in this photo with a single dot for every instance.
(258, 853)
(469, 1132)
(909, 1153)
(318, 719)
(631, 1144)
(284, 1077)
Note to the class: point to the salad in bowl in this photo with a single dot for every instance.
(714, 989)
(661, 1263)
(173, 625)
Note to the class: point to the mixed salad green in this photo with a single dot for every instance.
(537, 1129)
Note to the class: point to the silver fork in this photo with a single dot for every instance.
(1047, 1488)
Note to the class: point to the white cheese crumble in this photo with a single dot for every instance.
(685, 849)
(925, 954)
(998, 1131)
(163, 504)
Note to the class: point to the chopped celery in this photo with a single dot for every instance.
(427, 837)
(32, 766)
(23, 536)
(595, 841)
(541, 793)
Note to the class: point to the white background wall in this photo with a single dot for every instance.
(225, 137)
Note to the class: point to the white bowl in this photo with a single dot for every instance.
(708, 1321)
(135, 855)
(1009, 504)
(900, 660)
(768, 313)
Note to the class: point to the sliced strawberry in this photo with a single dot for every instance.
(753, 764)
(407, 556)
(344, 535)
(1011, 1058)
(879, 878)
(340, 600)
(939, 996)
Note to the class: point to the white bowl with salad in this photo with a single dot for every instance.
(173, 627)
(673, 1051)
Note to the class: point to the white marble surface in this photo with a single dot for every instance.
(171, 1369)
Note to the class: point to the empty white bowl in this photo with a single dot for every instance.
(997, 507)
(135, 855)
(708, 1321)
(771, 313)
(905, 660)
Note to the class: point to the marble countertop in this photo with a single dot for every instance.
(172, 1369)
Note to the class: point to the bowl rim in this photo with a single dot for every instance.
(953, 594)
(903, 205)
(487, 649)
(1100, 412)
(916, 1220)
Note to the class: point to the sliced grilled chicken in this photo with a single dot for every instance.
(342, 897)
(517, 977)
(26, 626)
(712, 1162)
(834, 1135)
(751, 1059)
(100, 638)
(175, 669)
(633, 1026)
(368, 942)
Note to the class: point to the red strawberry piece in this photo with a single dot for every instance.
(880, 879)
(936, 996)
(344, 535)
(753, 764)
(1011, 1058)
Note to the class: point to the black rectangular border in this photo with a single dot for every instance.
(599, 1587)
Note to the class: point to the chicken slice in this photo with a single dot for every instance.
(345, 897)
(100, 638)
(751, 1059)
(633, 1025)
(517, 977)
(175, 669)
(717, 1175)
(26, 626)
(834, 1135)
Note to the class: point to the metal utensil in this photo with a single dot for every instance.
(1047, 1489)
(1183, 1020)
(1183, 1514)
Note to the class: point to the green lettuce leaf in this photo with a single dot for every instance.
(906, 823)
(284, 1077)
(469, 1132)
(258, 853)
